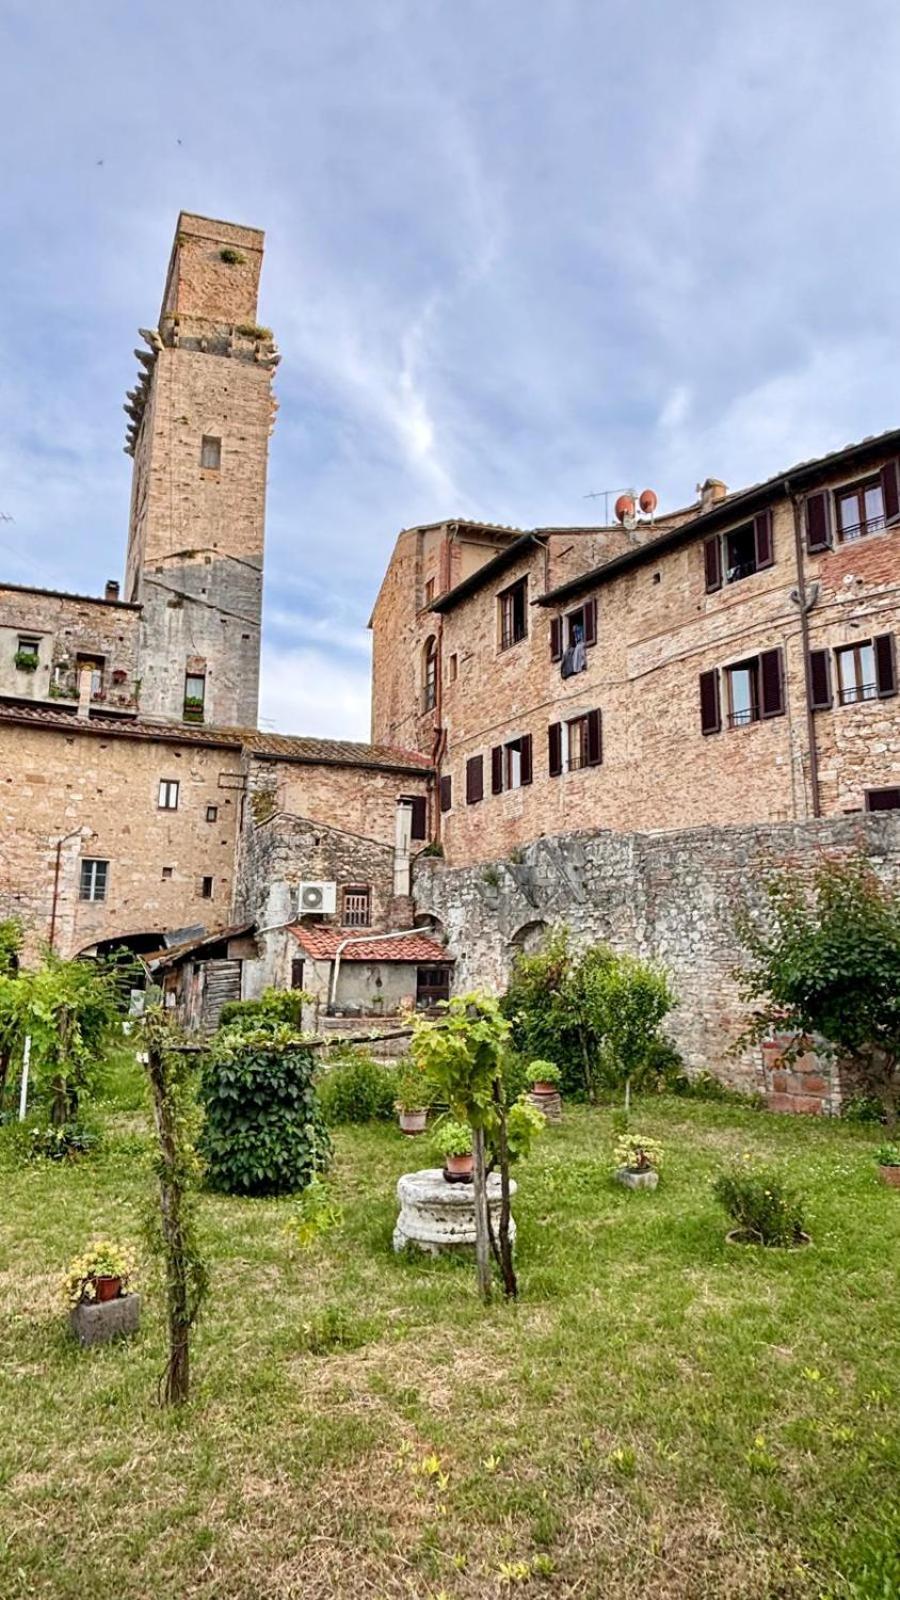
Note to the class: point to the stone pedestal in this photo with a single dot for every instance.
(637, 1180)
(550, 1104)
(93, 1323)
(436, 1216)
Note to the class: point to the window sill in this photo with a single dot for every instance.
(504, 649)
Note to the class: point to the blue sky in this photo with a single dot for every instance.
(517, 250)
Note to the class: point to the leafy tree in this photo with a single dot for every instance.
(72, 1011)
(824, 960)
(264, 1132)
(627, 1000)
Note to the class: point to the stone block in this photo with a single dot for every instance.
(637, 1180)
(114, 1319)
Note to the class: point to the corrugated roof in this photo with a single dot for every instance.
(321, 944)
(802, 475)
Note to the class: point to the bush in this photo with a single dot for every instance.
(451, 1138)
(637, 1154)
(264, 1132)
(863, 1108)
(761, 1206)
(357, 1089)
(64, 1143)
(273, 1005)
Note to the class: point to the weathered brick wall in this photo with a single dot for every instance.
(667, 896)
(104, 790)
(68, 626)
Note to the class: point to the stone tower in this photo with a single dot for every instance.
(201, 416)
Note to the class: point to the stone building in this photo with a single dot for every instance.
(732, 663)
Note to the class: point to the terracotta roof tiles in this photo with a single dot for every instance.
(321, 944)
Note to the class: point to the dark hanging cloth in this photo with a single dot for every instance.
(575, 658)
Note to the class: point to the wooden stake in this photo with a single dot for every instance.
(482, 1240)
(176, 1382)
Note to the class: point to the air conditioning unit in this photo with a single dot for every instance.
(313, 897)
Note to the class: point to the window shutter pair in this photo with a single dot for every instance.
(446, 792)
(419, 819)
(474, 780)
(557, 630)
(525, 764)
(554, 748)
(885, 672)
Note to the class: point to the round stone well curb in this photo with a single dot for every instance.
(436, 1215)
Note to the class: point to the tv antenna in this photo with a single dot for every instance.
(5, 517)
(605, 495)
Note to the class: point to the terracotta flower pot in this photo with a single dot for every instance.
(459, 1166)
(890, 1176)
(543, 1087)
(413, 1121)
(107, 1288)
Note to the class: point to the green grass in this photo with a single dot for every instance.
(662, 1415)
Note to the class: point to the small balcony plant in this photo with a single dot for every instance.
(888, 1159)
(637, 1160)
(193, 708)
(26, 660)
(764, 1209)
(412, 1100)
(452, 1143)
(102, 1273)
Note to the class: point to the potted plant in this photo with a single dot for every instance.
(637, 1160)
(545, 1077)
(26, 660)
(101, 1274)
(412, 1101)
(453, 1143)
(888, 1158)
(764, 1209)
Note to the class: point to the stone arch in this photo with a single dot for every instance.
(527, 940)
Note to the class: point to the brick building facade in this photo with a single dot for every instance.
(733, 663)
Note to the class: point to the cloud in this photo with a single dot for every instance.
(304, 690)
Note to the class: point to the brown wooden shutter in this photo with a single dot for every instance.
(554, 748)
(556, 639)
(762, 533)
(889, 491)
(590, 622)
(820, 679)
(497, 769)
(474, 780)
(527, 762)
(419, 822)
(818, 521)
(594, 754)
(712, 556)
(771, 684)
(446, 792)
(710, 713)
(885, 665)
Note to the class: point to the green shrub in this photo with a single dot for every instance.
(231, 257)
(544, 1072)
(888, 1155)
(264, 1132)
(273, 1005)
(863, 1108)
(64, 1143)
(357, 1089)
(761, 1205)
(451, 1138)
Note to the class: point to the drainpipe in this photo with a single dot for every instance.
(804, 607)
(364, 938)
(53, 904)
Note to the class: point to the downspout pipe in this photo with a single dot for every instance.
(364, 938)
(56, 871)
(804, 607)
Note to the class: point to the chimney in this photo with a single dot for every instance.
(112, 590)
(711, 492)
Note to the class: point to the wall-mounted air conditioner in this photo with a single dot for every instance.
(316, 897)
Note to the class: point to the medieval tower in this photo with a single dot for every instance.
(201, 415)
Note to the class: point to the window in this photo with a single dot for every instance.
(212, 813)
(168, 794)
(429, 592)
(206, 888)
(454, 667)
(211, 453)
(167, 872)
(754, 691)
(860, 510)
(575, 629)
(26, 656)
(739, 552)
(418, 807)
(512, 607)
(856, 673)
(357, 906)
(432, 986)
(194, 696)
(511, 764)
(429, 675)
(575, 744)
(474, 780)
(883, 799)
(93, 665)
(94, 877)
(297, 972)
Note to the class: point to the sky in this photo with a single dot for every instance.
(517, 252)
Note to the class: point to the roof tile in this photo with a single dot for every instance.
(321, 944)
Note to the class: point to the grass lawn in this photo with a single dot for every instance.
(662, 1414)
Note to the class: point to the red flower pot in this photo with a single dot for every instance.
(890, 1176)
(459, 1166)
(107, 1288)
(542, 1087)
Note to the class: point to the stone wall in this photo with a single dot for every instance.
(667, 896)
(67, 626)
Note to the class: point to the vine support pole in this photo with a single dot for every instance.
(482, 1237)
(176, 1383)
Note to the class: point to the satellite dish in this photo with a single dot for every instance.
(648, 501)
(624, 507)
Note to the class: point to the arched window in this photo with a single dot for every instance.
(429, 674)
